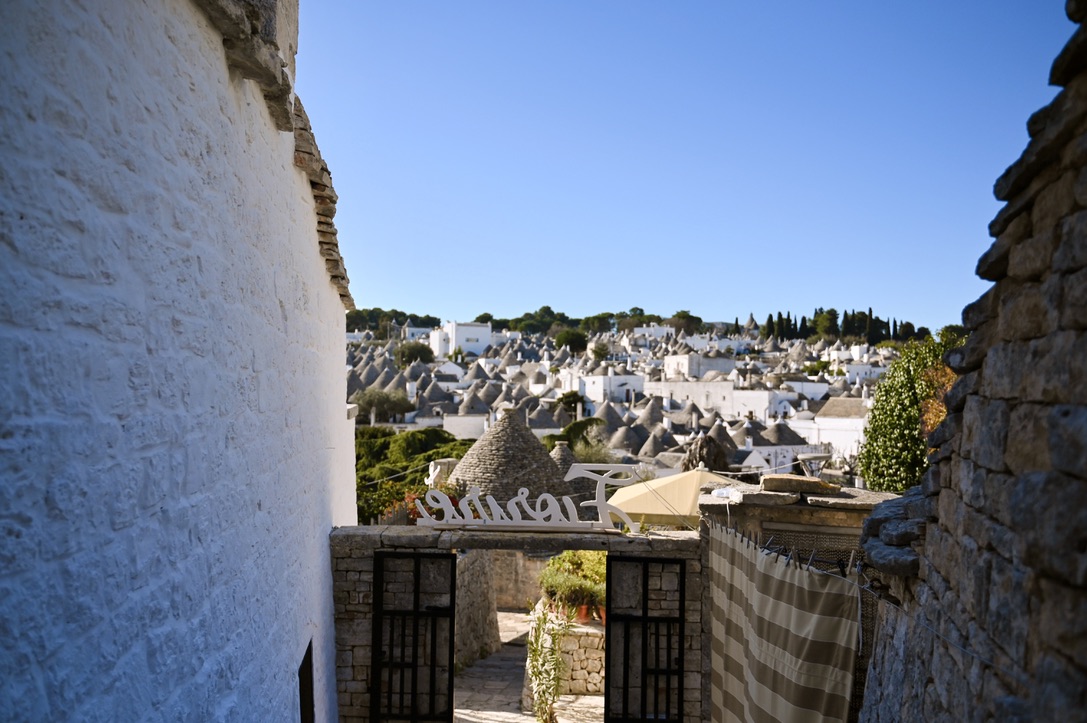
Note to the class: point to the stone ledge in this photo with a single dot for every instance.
(1072, 60)
(250, 46)
(897, 561)
(1062, 116)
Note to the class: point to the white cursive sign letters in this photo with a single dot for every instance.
(548, 512)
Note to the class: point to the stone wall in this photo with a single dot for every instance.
(583, 654)
(173, 435)
(517, 578)
(582, 649)
(477, 617)
(353, 551)
(985, 614)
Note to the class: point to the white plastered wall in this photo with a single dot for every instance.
(172, 427)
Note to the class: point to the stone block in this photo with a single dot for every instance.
(1011, 709)
(973, 580)
(900, 533)
(1031, 259)
(930, 481)
(899, 561)
(985, 431)
(1062, 621)
(1003, 370)
(993, 264)
(1054, 202)
(797, 483)
(1029, 310)
(1073, 309)
(979, 311)
(946, 430)
(1027, 449)
(893, 509)
(1050, 515)
(1076, 10)
(943, 552)
(921, 508)
(1059, 690)
(964, 386)
(1066, 440)
(971, 355)
(1071, 252)
(1053, 378)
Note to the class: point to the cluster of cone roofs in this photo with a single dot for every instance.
(524, 375)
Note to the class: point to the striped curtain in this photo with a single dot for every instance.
(784, 638)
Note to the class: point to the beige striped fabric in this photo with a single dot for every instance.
(784, 637)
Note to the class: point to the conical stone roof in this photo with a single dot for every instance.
(507, 457)
(653, 413)
(652, 447)
(612, 418)
(473, 405)
(624, 438)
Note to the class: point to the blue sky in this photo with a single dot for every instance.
(721, 157)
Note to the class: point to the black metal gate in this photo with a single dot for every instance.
(412, 664)
(643, 659)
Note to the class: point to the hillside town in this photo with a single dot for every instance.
(655, 389)
(184, 534)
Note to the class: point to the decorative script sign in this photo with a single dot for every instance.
(548, 513)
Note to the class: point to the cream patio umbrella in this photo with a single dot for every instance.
(671, 500)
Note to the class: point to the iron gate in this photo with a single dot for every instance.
(412, 664)
(643, 659)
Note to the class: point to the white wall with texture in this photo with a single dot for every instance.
(172, 426)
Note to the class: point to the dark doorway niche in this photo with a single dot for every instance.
(306, 707)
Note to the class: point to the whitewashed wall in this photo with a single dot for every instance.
(172, 428)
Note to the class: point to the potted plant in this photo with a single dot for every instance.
(574, 581)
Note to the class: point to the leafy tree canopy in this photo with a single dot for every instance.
(575, 339)
(414, 351)
(685, 321)
(390, 465)
(908, 405)
(378, 320)
(381, 406)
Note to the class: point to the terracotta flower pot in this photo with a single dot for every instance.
(584, 615)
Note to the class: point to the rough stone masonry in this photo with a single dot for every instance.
(988, 557)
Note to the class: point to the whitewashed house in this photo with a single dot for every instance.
(468, 337)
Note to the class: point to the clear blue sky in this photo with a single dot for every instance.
(723, 157)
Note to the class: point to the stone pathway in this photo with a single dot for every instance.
(490, 690)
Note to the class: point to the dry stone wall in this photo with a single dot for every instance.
(353, 549)
(517, 578)
(477, 617)
(986, 561)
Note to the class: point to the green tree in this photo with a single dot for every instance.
(575, 339)
(569, 402)
(390, 466)
(600, 351)
(685, 321)
(381, 406)
(767, 330)
(826, 322)
(414, 351)
(598, 323)
(908, 405)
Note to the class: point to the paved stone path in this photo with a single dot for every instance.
(490, 690)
